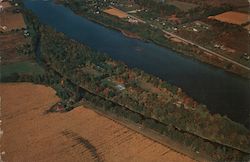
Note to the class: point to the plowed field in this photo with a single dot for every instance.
(79, 135)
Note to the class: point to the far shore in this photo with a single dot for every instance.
(213, 61)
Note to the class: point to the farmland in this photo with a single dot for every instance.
(50, 137)
(17, 49)
(9, 43)
(12, 36)
(6, 5)
(227, 39)
(23, 67)
(183, 6)
(238, 3)
(158, 17)
(232, 17)
(12, 21)
(116, 12)
(130, 94)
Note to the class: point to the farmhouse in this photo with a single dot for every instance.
(120, 87)
(133, 21)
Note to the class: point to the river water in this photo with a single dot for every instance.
(223, 93)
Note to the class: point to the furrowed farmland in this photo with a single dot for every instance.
(232, 17)
(51, 137)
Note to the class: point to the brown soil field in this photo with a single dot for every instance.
(116, 12)
(30, 134)
(12, 21)
(232, 17)
(5, 5)
(8, 48)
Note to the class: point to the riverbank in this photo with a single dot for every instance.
(130, 35)
(185, 49)
(124, 32)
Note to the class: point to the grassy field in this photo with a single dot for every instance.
(25, 67)
(9, 43)
(244, 10)
(184, 6)
(235, 3)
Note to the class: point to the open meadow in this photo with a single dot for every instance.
(183, 6)
(24, 67)
(235, 3)
(9, 44)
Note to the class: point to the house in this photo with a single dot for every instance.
(246, 56)
(195, 30)
(120, 87)
(133, 21)
(26, 33)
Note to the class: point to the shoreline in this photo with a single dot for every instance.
(130, 34)
(236, 70)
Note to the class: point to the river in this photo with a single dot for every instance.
(223, 92)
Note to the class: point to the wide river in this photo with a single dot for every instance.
(222, 92)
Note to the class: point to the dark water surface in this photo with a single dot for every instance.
(222, 92)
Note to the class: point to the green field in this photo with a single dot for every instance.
(184, 6)
(25, 67)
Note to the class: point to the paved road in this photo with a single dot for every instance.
(207, 50)
(203, 48)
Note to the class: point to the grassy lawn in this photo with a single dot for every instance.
(25, 67)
